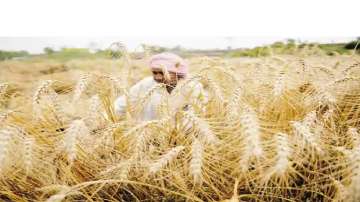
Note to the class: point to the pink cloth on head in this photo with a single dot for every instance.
(172, 62)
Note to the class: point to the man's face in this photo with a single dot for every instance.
(160, 77)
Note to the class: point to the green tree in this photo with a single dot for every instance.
(48, 51)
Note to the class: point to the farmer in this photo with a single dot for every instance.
(168, 69)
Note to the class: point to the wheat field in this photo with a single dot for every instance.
(276, 128)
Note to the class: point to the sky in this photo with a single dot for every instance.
(37, 44)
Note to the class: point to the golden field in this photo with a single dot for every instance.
(275, 128)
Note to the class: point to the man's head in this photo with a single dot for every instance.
(168, 68)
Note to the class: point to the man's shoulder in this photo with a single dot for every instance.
(148, 79)
(146, 82)
(142, 86)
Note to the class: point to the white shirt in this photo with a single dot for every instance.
(191, 93)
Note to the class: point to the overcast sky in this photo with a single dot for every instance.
(37, 44)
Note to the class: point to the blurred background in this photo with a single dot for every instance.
(65, 48)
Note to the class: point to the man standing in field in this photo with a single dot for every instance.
(168, 69)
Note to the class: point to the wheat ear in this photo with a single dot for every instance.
(196, 162)
(165, 159)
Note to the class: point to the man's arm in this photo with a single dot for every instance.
(121, 101)
(120, 105)
(134, 92)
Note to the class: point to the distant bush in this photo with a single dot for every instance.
(333, 49)
(48, 51)
(290, 47)
(66, 54)
(5, 55)
(70, 53)
(74, 52)
(255, 52)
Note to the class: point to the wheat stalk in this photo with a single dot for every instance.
(45, 91)
(29, 144)
(76, 130)
(196, 162)
(348, 69)
(165, 72)
(95, 106)
(205, 133)
(55, 103)
(165, 159)
(142, 102)
(5, 115)
(42, 89)
(307, 137)
(309, 119)
(217, 94)
(62, 194)
(252, 139)
(81, 86)
(326, 70)
(235, 197)
(117, 83)
(279, 85)
(5, 137)
(94, 116)
(327, 115)
(355, 136)
(327, 96)
(120, 169)
(341, 192)
(3, 89)
(283, 152)
(346, 79)
(354, 187)
(234, 102)
(57, 197)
